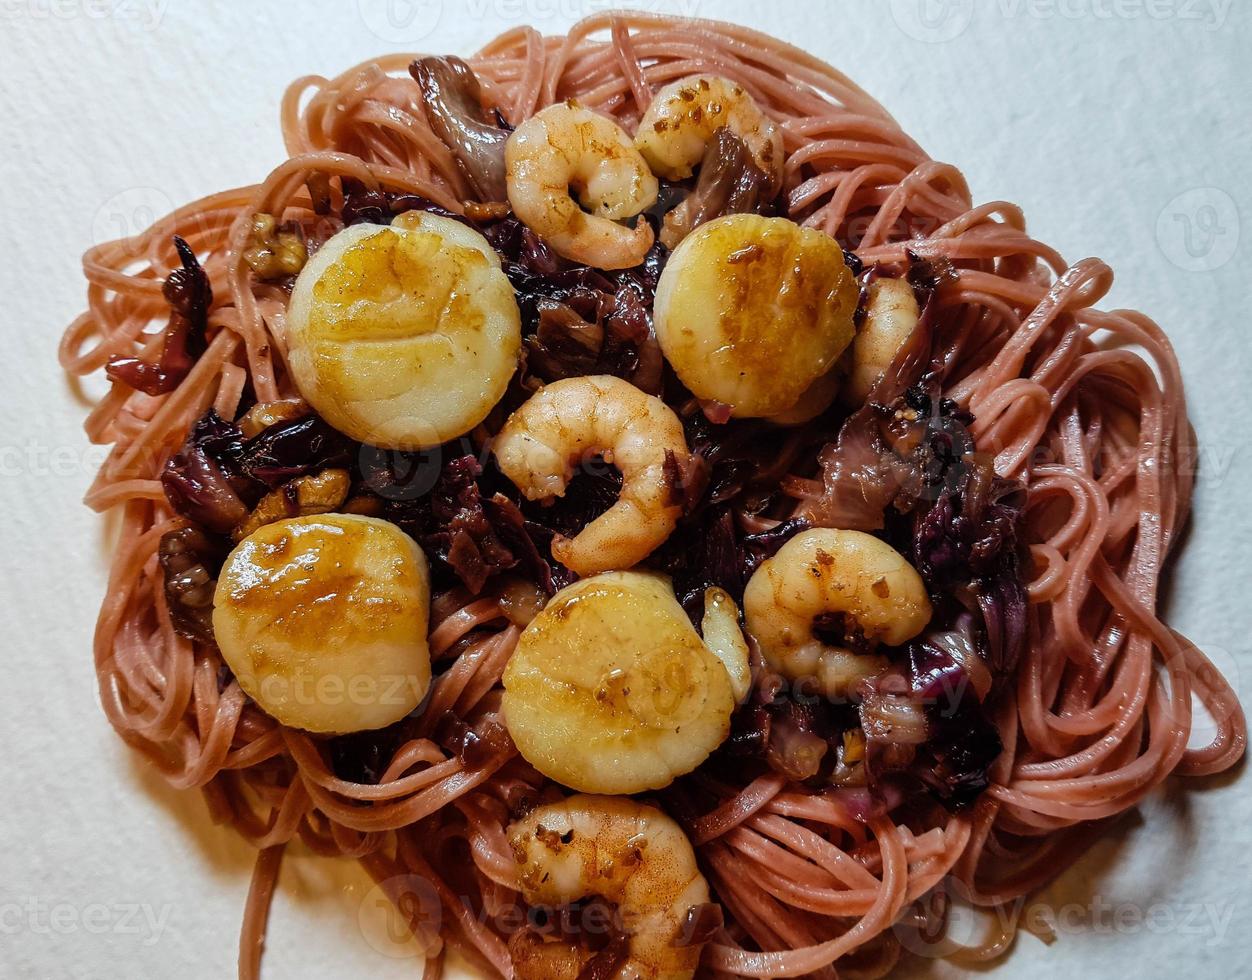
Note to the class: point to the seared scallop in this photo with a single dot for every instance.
(323, 621)
(404, 336)
(752, 312)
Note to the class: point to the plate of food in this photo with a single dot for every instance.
(621, 491)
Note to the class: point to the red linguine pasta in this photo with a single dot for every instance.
(1082, 406)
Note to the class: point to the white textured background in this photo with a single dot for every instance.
(1122, 127)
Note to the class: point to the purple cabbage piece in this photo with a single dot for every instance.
(217, 477)
(966, 545)
(472, 532)
(203, 481)
(729, 182)
(296, 448)
(926, 730)
(375, 206)
(733, 467)
(460, 531)
(963, 745)
(904, 467)
(577, 320)
(862, 474)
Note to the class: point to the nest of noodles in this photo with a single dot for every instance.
(1019, 453)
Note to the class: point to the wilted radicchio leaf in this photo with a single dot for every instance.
(363, 757)
(957, 522)
(733, 468)
(577, 320)
(477, 746)
(287, 450)
(218, 476)
(907, 458)
(929, 273)
(962, 745)
(460, 531)
(453, 100)
(190, 295)
(906, 467)
(729, 182)
(376, 206)
(795, 734)
(594, 488)
(925, 726)
(365, 205)
(921, 727)
(862, 474)
(471, 534)
(798, 739)
(966, 545)
(204, 481)
(909, 469)
(701, 554)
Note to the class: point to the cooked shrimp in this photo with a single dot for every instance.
(872, 593)
(568, 148)
(891, 317)
(565, 424)
(632, 856)
(685, 114)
